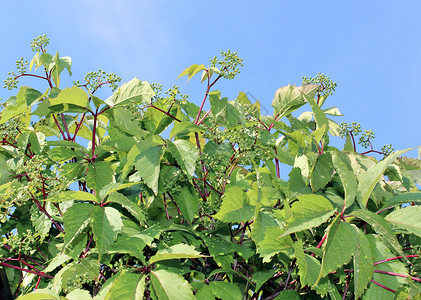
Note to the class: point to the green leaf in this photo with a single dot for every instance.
(407, 218)
(319, 114)
(100, 174)
(322, 171)
(347, 176)
(126, 286)
(148, 164)
(106, 225)
(363, 265)
(61, 154)
(287, 99)
(225, 290)
(267, 234)
(234, 207)
(170, 286)
(131, 240)
(187, 200)
(368, 181)
(339, 246)
(79, 294)
(403, 199)
(191, 71)
(288, 295)
(28, 95)
(296, 183)
(308, 266)
(309, 211)
(76, 218)
(261, 277)
(134, 90)
(204, 292)
(131, 207)
(73, 95)
(19, 104)
(381, 226)
(57, 261)
(40, 294)
(175, 252)
(186, 155)
(126, 121)
(181, 129)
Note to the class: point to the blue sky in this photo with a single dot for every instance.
(372, 49)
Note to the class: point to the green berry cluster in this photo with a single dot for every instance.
(22, 242)
(12, 80)
(387, 149)
(353, 127)
(228, 64)
(326, 85)
(173, 93)
(95, 79)
(11, 129)
(365, 138)
(39, 43)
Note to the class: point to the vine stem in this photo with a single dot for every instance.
(382, 286)
(196, 122)
(398, 275)
(25, 270)
(393, 258)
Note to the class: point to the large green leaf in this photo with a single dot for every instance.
(79, 294)
(147, 163)
(408, 218)
(40, 294)
(309, 211)
(76, 218)
(186, 155)
(347, 176)
(225, 290)
(319, 114)
(131, 207)
(381, 226)
(402, 199)
(309, 270)
(289, 98)
(322, 171)
(363, 265)
(99, 174)
(130, 241)
(175, 252)
(134, 90)
(267, 234)
(106, 225)
(73, 95)
(170, 286)
(339, 246)
(187, 200)
(368, 181)
(126, 121)
(126, 285)
(234, 206)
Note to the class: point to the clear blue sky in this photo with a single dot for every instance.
(372, 49)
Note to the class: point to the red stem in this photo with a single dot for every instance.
(382, 286)
(25, 270)
(393, 258)
(397, 274)
(168, 114)
(59, 128)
